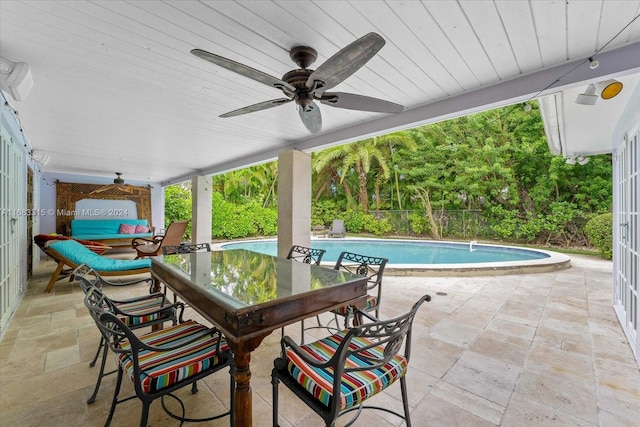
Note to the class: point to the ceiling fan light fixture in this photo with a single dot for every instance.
(609, 88)
(304, 86)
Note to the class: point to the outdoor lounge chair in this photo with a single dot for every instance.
(72, 254)
(152, 247)
(337, 229)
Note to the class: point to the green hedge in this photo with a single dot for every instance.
(599, 231)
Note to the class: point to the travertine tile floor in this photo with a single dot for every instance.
(543, 349)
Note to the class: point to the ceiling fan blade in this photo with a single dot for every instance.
(311, 117)
(351, 101)
(244, 70)
(344, 63)
(257, 107)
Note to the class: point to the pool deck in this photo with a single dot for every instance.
(510, 350)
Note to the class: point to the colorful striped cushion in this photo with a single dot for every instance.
(163, 369)
(372, 301)
(355, 386)
(141, 311)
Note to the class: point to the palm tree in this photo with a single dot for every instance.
(358, 157)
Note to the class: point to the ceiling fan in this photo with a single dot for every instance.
(118, 186)
(305, 86)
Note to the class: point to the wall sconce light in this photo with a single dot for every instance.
(589, 96)
(582, 160)
(15, 79)
(40, 157)
(606, 90)
(577, 158)
(609, 88)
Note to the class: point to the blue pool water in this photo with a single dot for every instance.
(406, 252)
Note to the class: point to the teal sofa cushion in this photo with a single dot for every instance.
(96, 229)
(79, 254)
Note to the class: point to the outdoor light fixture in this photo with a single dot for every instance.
(589, 96)
(582, 160)
(606, 89)
(609, 88)
(577, 158)
(593, 63)
(15, 79)
(40, 157)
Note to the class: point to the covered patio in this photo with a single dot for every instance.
(518, 350)
(115, 90)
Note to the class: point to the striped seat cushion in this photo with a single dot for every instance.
(355, 386)
(141, 311)
(372, 301)
(163, 369)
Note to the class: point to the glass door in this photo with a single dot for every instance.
(627, 236)
(12, 225)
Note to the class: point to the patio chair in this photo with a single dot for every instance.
(337, 374)
(309, 256)
(337, 229)
(186, 248)
(364, 265)
(306, 255)
(373, 268)
(151, 247)
(136, 313)
(160, 362)
(72, 254)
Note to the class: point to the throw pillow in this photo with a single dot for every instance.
(141, 229)
(127, 229)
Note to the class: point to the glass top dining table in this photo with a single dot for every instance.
(247, 295)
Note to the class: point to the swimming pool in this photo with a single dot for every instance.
(429, 257)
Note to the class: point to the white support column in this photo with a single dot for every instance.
(201, 209)
(294, 200)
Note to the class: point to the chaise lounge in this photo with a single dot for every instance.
(72, 254)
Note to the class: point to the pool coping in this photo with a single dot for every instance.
(554, 262)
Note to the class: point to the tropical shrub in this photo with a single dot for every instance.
(177, 206)
(232, 220)
(323, 212)
(599, 231)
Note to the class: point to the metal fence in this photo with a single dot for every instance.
(464, 223)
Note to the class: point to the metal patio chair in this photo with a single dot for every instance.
(337, 374)
(160, 362)
(136, 313)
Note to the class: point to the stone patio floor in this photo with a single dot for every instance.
(516, 350)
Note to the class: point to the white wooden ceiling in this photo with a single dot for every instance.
(115, 88)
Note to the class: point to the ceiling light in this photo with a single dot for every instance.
(589, 96)
(593, 63)
(609, 88)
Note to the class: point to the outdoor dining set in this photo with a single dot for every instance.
(359, 355)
